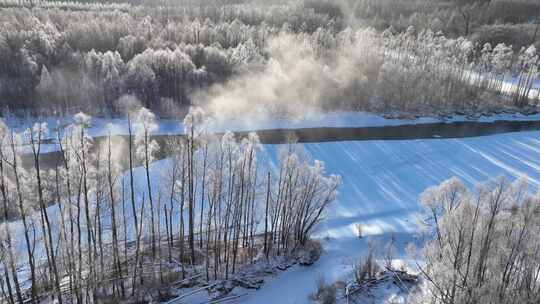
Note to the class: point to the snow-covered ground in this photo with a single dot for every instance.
(381, 184)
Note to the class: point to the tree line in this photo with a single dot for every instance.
(497, 21)
(63, 60)
(483, 246)
(52, 47)
(100, 222)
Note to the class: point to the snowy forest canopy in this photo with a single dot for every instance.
(416, 56)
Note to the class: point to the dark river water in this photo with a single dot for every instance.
(325, 134)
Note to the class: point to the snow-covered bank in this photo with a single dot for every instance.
(381, 184)
(99, 126)
(356, 120)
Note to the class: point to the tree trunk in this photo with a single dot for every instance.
(46, 226)
(116, 254)
(266, 247)
(8, 233)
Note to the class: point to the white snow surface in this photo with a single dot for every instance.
(381, 184)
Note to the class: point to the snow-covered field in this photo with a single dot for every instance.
(381, 184)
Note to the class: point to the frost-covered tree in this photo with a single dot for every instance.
(194, 124)
(146, 147)
(82, 144)
(528, 71)
(8, 243)
(35, 136)
(216, 197)
(485, 244)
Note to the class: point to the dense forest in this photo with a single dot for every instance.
(484, 246)
(416, 56)
(97, 224)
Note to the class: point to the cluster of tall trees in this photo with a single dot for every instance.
(46, 50)
(485, 246)
(69, 59)
(87, 55)
(494, 21)
(416, 72)
(427, 70)
(100, 221)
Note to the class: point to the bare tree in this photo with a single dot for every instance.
(485, 244)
